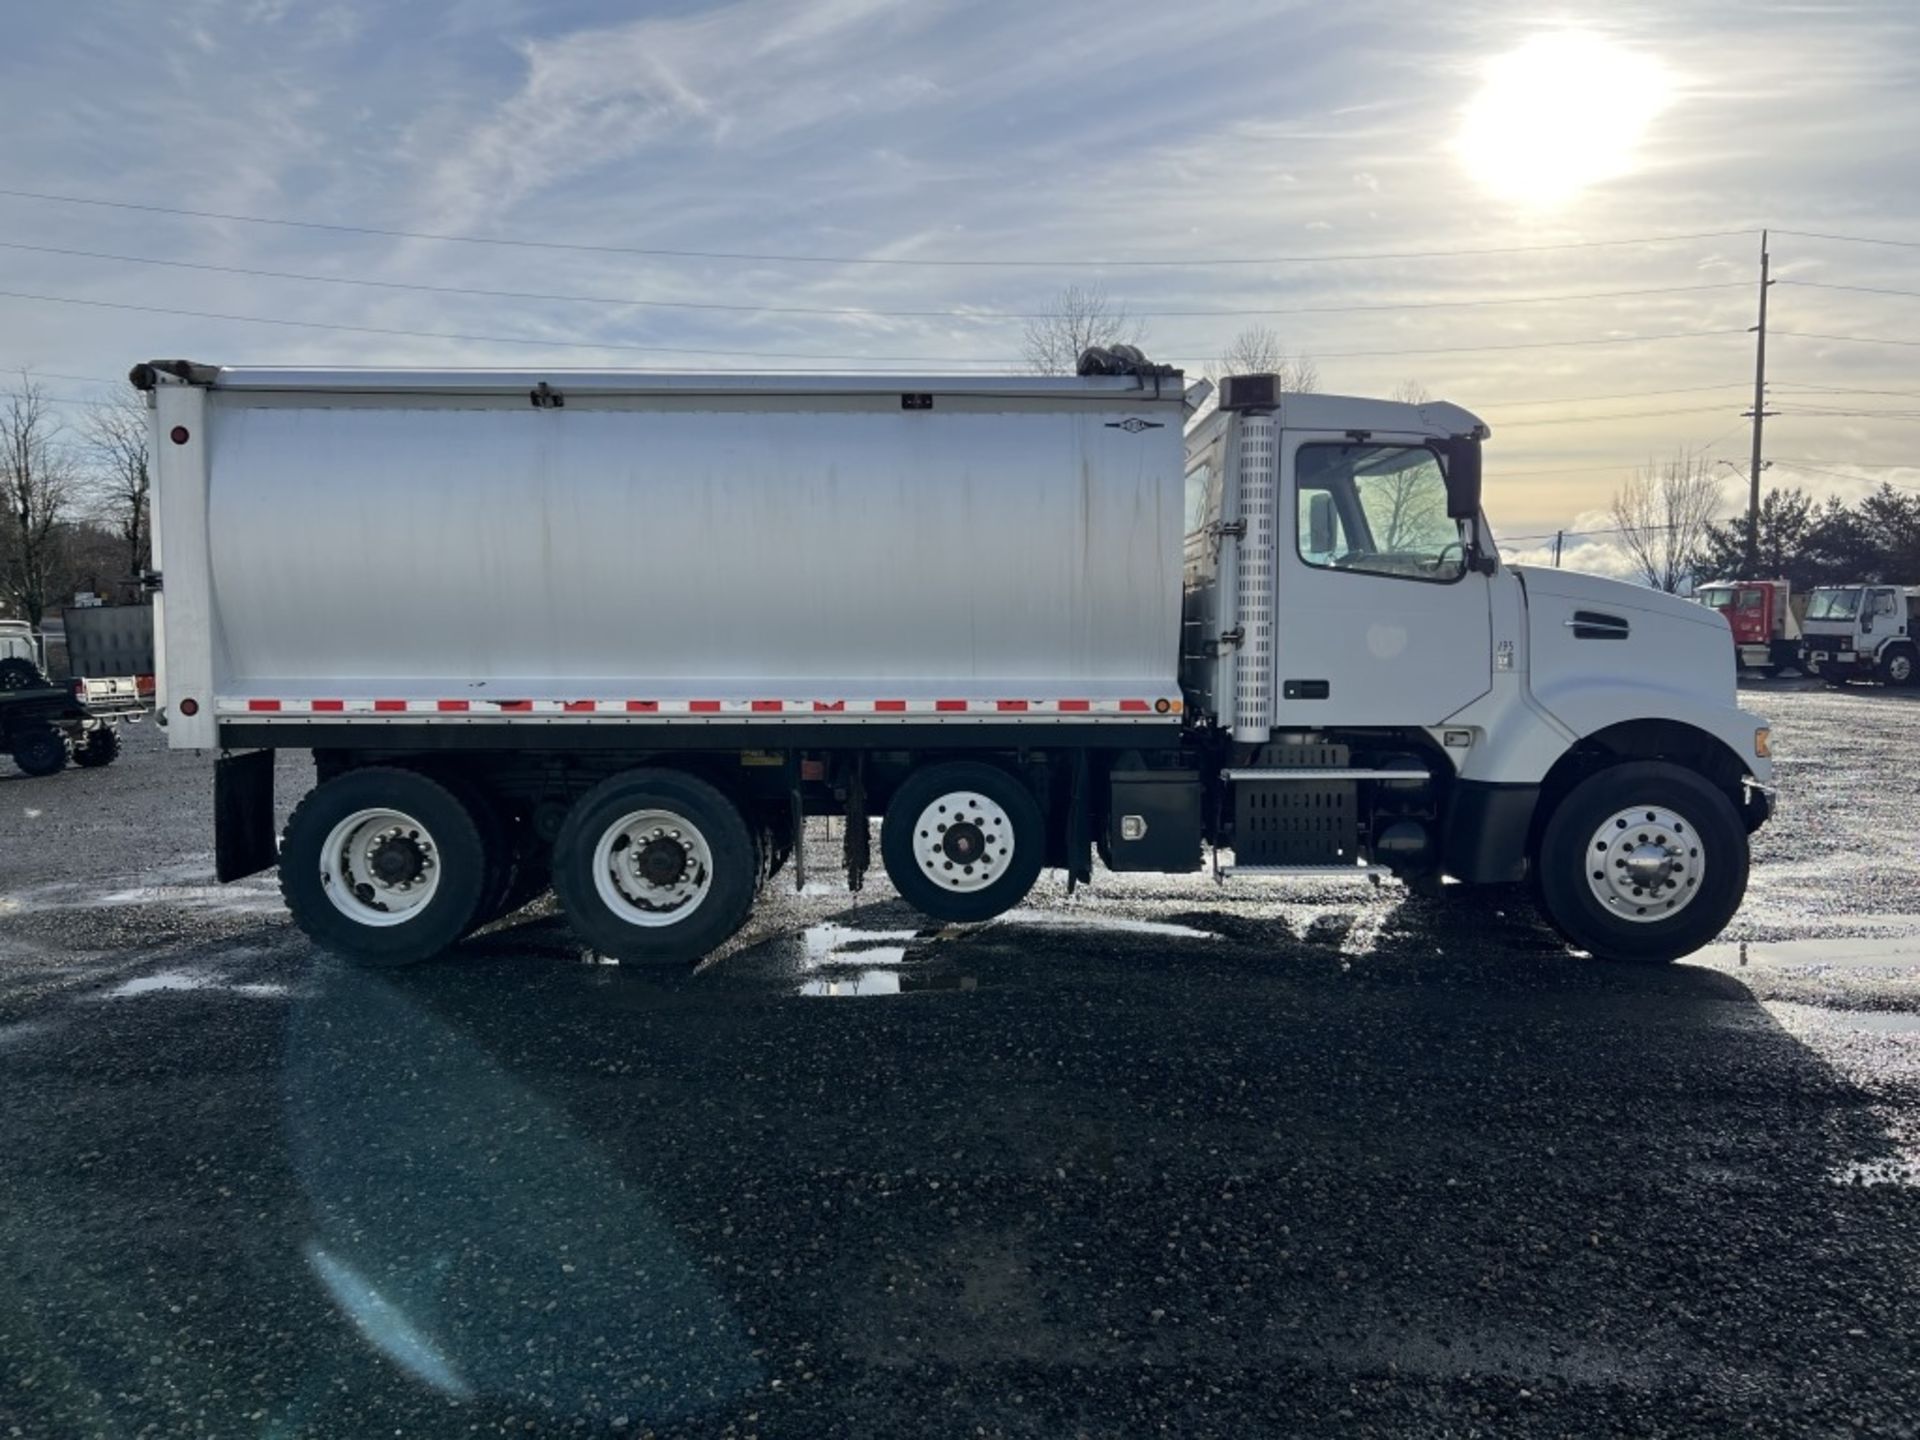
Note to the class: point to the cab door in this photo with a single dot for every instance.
(1377, 618)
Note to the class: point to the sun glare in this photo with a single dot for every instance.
(1561, 113)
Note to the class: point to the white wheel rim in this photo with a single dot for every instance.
(963, 841)
(368, 888)
(1646, 863)
(653, 868)
(1900, 668)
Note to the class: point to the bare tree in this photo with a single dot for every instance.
(37, 483)
(117, 436)
(1078, 319)
(1662, 514)
(1410, 392)
(1257, 350)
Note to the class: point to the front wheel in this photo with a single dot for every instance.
(1645, 860)
(654, 867)
(962, 841)
(1896, 667)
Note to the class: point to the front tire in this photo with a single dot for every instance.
(963, 841)
(1897, 667)
(655, 867)
(382, 866)
(1642, 861)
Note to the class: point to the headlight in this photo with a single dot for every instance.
(1763, 743)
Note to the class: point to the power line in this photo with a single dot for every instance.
(1849, 239)
(1856, 289)
(848, 311)
(1630, 415)
(1796, 385)
(676, 254)
(1621, 395)
(779, 354)
(1849, 339)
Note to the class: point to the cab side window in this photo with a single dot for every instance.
(1376, 510)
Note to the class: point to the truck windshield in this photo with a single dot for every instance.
(1834, 605)
(1716, 596)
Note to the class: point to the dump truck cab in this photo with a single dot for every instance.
(1863, 632)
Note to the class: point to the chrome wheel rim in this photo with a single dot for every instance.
(380, 867)
(1646, 863)
(653, 868)
(963, 841)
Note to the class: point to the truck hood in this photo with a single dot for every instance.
(1602, 653)
(1597, 591)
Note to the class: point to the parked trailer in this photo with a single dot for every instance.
(630, 630)
(1860, 632)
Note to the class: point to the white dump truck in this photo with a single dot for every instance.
(627, 631)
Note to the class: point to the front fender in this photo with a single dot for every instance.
(1588, 708)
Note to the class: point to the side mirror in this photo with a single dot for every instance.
(1462, 455)
(1320, 533)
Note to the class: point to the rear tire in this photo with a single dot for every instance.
(98, 747)
(41, 751)
(382, 866)
(655, 868)
(1642, 861)
(963, 841)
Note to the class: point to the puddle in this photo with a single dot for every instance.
(11, 1035)
(189, 980)
(1899, 1170)
(848, 944)
(1092, 920)
(886, 982)
(1833, 952)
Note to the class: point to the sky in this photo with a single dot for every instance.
(820, 155)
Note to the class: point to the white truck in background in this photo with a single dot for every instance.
(1862, 632)
(627, 631)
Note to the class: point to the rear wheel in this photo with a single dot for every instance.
(382, 866)
(655, 867)
(1645, 860)
(97, 747)
(963, 841)
(42, 751)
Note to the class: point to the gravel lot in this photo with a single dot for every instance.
(1159, 1159)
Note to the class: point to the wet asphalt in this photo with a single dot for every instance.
(1161, 1158)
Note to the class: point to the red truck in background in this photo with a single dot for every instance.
(1765, 618)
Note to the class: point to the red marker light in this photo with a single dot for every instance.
(189, 706)
(181, 435)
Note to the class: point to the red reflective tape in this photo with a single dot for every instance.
(704, 707)
(762, 707)
(521, 705)
(890, 705)
(390, 705)
(454, 706)
(829, 706)
(1076, 705)
(328, 706)
(643, 707)
(949, 704)
(263, 704)
(1009, 704)
(1135, 705)
(578, 707)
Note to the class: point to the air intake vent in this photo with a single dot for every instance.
(1596, 625)
(1249, 392)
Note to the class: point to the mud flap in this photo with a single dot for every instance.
(243, 839)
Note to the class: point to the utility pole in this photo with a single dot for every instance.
(1759, 415)
(1558, 536)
